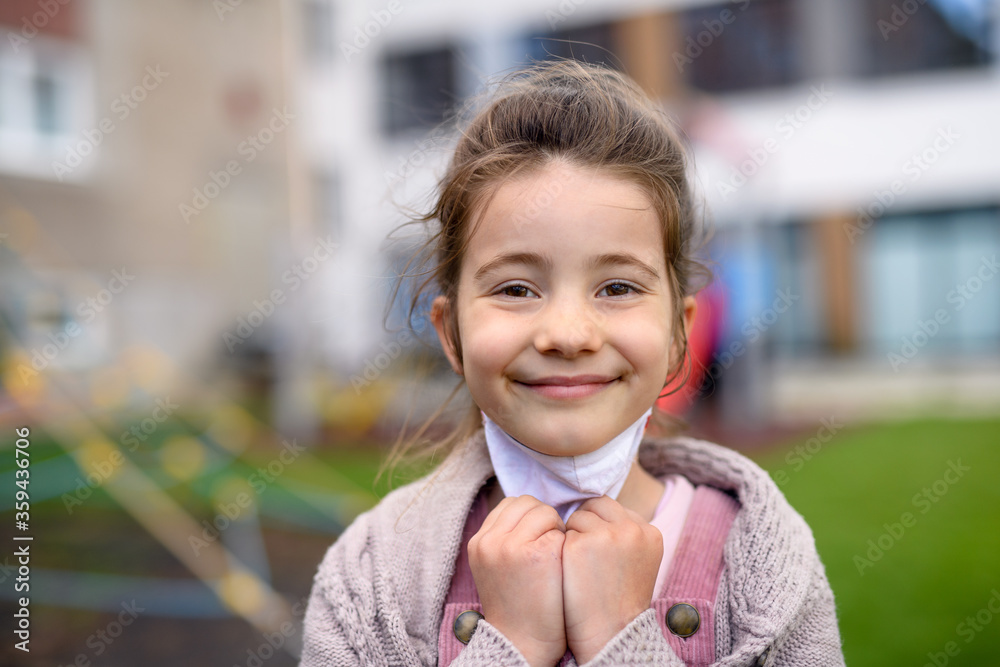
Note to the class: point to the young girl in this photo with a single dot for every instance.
(565, 276)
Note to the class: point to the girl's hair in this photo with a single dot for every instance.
(589, 116)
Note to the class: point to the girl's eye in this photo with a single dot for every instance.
(517, 291)
(617, 289)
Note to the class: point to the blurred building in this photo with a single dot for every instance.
(846, 150)
(147, 179)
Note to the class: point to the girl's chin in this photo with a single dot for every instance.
(562, 443)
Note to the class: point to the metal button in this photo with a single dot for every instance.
(762, 658)
(683, 619)
(465, 625)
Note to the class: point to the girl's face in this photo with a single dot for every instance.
(564, 311)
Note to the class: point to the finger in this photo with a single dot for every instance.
(611, 510)
(585, 521)
(491, 518)
(537, 521)
(607, 508)
(509, 513)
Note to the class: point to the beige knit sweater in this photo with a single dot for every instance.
(378, 596)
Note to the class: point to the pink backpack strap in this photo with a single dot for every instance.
(462, 595)
(693, 579)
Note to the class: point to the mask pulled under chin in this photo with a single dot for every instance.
(563, 482)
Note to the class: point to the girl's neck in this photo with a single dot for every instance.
(641, 492)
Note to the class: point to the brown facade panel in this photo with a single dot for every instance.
(24, 19)
(837, 273)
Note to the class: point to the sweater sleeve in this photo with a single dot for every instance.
(815, 639)
(354, 616)
(641, 642)
(489, 646)
(342, 624)
(378, 596)
(324, 640)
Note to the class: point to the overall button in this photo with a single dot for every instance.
(465, 625)
(683, 619)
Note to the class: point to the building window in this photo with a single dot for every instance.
(933, 34)
(317, 30)
(929, 284)
(420, 89)
(801, 328)
(34, 93)
(47, 105)
(740, 45)
(591, 44)
(44, 104)
(326, 203)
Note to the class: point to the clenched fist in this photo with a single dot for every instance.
(517, 564)
(609, 563)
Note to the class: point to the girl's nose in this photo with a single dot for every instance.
(568, 327)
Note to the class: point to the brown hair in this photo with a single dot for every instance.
(590, 116)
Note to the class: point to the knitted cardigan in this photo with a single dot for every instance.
(378, 596)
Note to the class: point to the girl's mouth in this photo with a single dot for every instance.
(568, 387)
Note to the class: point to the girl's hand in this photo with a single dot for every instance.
(516, 561)
(610, 560)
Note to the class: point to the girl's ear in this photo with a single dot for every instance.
(690, 310)
(441, 318)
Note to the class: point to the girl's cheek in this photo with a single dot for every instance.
(641, 335)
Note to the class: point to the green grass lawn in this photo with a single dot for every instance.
(910, 594)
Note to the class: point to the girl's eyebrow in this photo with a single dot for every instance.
(526, 258)
(624, 259)
(541, 261)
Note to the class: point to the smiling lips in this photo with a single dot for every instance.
(560, 386)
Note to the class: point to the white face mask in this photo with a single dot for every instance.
(563, 482)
